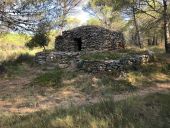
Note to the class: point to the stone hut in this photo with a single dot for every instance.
(89, 38)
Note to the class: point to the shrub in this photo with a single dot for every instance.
(166, 68)
(40, 38)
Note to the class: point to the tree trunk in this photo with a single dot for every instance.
(44, 49)
(136, 27)
(153, 40)
(156, 40)
(166, 29)
(63, 17)
(149, 42)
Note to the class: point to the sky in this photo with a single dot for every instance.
(80, 14)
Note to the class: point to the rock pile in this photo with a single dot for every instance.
(89, 38)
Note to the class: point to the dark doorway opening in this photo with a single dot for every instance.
(78, 44)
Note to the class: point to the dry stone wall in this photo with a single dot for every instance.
(114, 65)
(89, 38)
(72, 59)
(57, 58)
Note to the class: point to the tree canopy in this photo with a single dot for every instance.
(141, 20)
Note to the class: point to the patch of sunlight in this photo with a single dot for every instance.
(63, 122)
(99, 123)
(68, 91)
(69, 81)
(161, 77)
(95, 80)
(134, 78)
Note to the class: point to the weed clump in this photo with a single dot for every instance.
(51, 78)
(166, 69)
(102, 56)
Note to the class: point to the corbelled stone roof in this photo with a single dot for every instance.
(89, 38)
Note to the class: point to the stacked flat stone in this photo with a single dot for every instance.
(91, 38)
(40, 58)
(56, 58)
(113, 65)
(68, 59)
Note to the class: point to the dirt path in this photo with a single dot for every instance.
(16, 96)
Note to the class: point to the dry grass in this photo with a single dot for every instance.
(152, 73)
(13, 44)
(151, 111)
(33, 89)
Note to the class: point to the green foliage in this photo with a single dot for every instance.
(12, 45)
(149, 112)
(39, 40)
(94, 21)
(41, 37)
(72, 22)
(107, 13)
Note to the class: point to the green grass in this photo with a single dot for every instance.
(111, 86)
(18, 66)
(15, 70)
(104, 84)
(51, 78)
(149, 112)
(112, 55)
(102, 56)
(154, 72)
